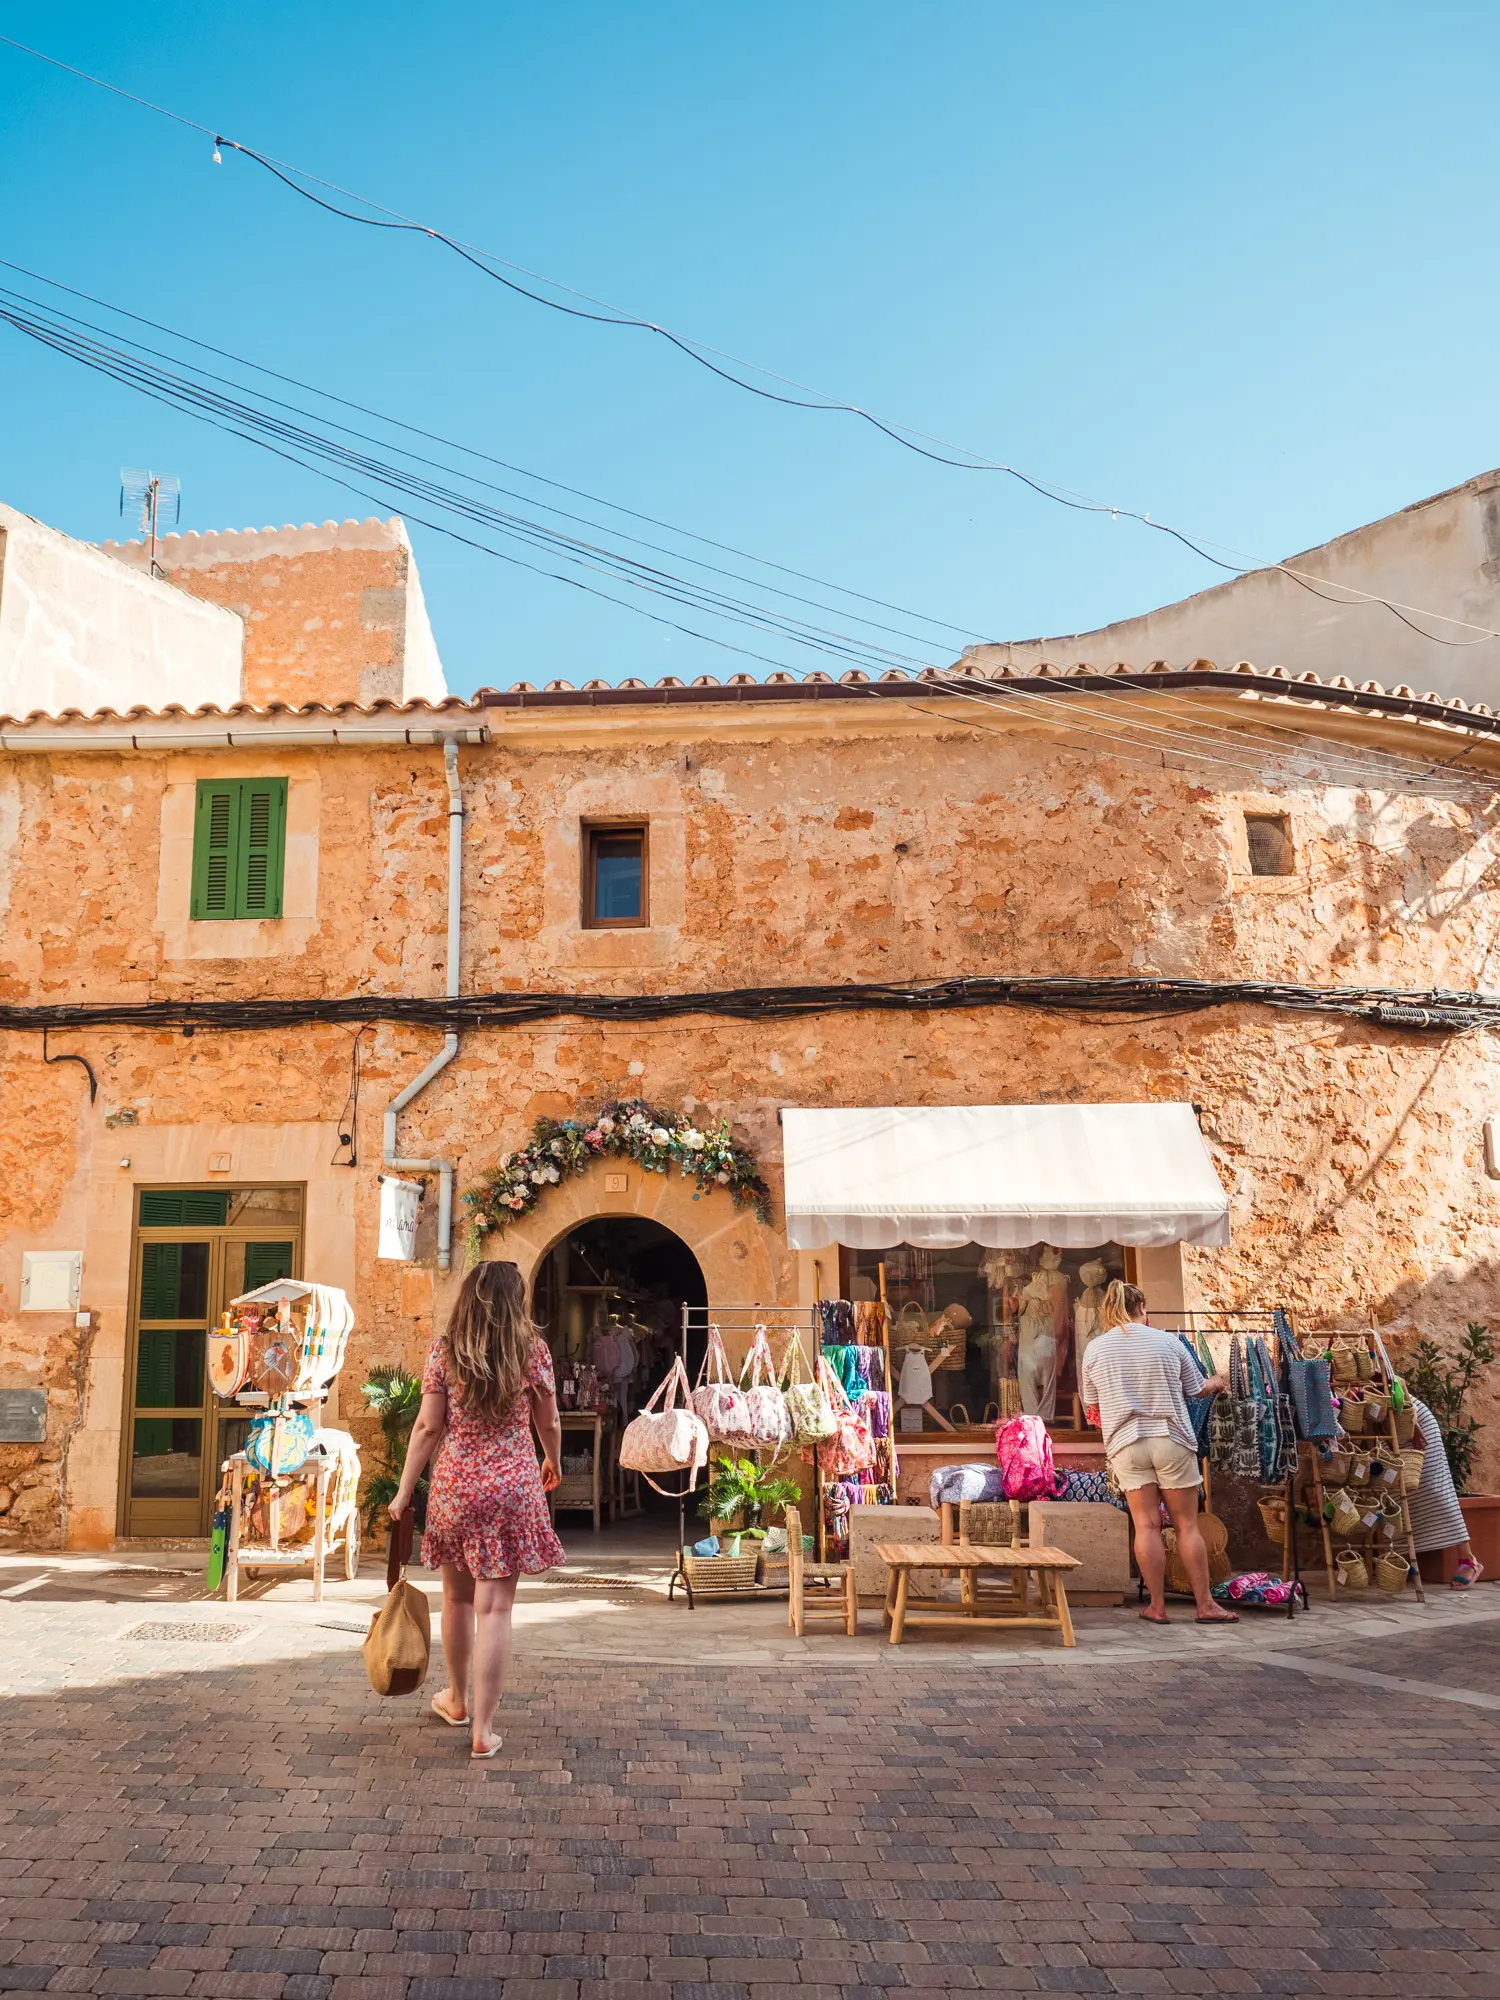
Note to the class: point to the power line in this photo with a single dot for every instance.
(1139, 739)
(924, 443)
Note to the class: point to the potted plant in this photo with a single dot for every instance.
(394, 1396)
(743, 1491)
(1444, 1388)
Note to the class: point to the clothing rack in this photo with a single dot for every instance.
(1250, 1323)
(735, 1320)
(892, 1464)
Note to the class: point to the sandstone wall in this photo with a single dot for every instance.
(1353, 1155)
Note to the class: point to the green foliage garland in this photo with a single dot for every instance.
(626, 1130)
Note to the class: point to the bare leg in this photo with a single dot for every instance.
(1150, 1555)
(458, 1639)
(494, 1600)
(1182, 1505)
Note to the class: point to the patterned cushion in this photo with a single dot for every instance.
(1089, 1486)
(966, 1482)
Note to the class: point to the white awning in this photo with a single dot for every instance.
(1004, 1175)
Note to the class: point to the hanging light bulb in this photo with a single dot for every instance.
(218, 156)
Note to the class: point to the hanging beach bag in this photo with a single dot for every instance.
(851, 1448)
(770, 1425)
(1340, 1511)
(1024, 1452)
(1413, 1464)
(1376, 1403)
(1308, 1381)
(670, 1439)
(1391, 1572)
(1352, 1412)
(1275, 1422)
(398, 1644)
(279, 1441)
(719, 1400)
(1351, 1570)
(1334, 1464)
(1342, 1362)
(807, 1404)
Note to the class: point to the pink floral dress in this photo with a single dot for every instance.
(486, 1511)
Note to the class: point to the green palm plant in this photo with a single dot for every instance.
(740, 1487)
(394, 1396)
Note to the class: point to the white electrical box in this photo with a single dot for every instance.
(51, 1280)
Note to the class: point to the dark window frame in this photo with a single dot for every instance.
(592, 830)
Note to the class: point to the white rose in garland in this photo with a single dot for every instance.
(631, 1129)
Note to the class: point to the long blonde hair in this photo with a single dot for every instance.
(1122, 1304)
(489, 1340)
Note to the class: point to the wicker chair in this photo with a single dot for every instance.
(994, 1522)
(842, 1603)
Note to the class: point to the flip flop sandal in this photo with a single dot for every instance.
(1147, 1619)
(1224, 1618)
(479, 1756)
(1466, 1575)
(453, 1721)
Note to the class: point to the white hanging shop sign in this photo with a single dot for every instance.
(398, 1218)
(1004, 1175)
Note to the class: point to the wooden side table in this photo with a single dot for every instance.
(971, 1559)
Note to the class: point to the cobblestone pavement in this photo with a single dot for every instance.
(232, 1813)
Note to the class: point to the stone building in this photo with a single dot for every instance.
(1220, 825)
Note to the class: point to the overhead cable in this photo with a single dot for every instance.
(290, 432)
(1442, 1009)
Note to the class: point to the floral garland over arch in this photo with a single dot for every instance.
(629, 1129)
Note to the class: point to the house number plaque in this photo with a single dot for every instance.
(23, 1416)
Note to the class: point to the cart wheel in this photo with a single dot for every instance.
(351, 1548)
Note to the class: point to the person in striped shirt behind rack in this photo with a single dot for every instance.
(1135, 1383)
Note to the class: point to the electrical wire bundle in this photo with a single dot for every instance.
(1441, 1008)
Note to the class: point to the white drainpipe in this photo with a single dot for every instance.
(442, 1168)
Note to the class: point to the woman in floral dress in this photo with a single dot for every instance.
(487, 1382)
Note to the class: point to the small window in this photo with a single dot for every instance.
(614, 878)
(1269, 839)
(239, 842)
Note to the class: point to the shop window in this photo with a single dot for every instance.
(1010, 1297)
(616, 885)
(1268, 836)
(239, 846)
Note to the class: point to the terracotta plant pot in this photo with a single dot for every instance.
(1481, 1512)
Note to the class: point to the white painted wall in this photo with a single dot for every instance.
(1442, 554)
(78, 630)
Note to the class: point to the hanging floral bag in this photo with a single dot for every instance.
(720, 1401)
(770, 1424)
(807, 1404)
(670, 1439)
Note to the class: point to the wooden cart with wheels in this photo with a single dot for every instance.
(335, 1521)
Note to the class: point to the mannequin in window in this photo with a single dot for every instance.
(1094, 1277)
(1037, 1355)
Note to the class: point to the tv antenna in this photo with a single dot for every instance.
(154, 500)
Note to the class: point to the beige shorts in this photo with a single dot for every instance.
(1155, 1461)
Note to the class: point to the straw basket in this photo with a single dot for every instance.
(1406, 1425)
(1391, 1572)
(1273, 1515)
(721, 1572)
(1413, 1459)
(1352, 1570)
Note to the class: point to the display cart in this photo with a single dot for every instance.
(322, 1491)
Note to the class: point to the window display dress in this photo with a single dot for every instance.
(486, 1510)
(1037, 1355)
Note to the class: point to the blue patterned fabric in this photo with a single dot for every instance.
(1089, 1486)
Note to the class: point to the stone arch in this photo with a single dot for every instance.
(743, 1261)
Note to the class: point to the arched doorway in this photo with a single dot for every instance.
(608, 1295)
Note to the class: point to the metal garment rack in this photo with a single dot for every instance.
(1250, 1322)
(733, 1320)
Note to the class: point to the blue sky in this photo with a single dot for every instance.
(1232, 266)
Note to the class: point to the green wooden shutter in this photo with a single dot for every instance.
(161, 1280)
(239, 845)
(215, 831)
(261, 847)
(183, 1208)
(266, 1261)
